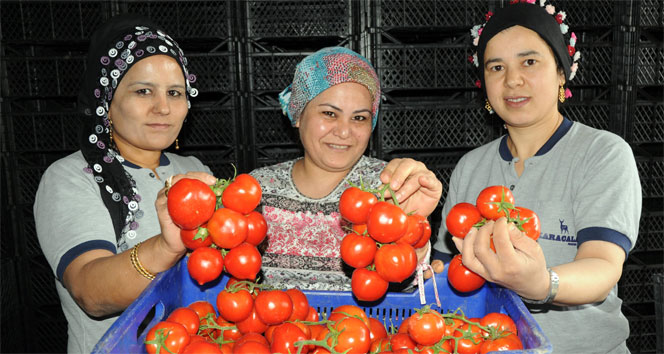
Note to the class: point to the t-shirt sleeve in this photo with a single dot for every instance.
(70, 216)
(608, 198)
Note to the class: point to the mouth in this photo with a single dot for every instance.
(516, 101)
(338, 147)
(159, 126)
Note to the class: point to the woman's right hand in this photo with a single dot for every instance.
(170, 233)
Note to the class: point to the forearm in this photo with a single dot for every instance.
(585, 281)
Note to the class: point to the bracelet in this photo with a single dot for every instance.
(553, 290)
(133, 256)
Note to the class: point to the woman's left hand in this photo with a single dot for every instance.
(416, 187)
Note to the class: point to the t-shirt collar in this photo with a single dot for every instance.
(564, 127)
(163, 161)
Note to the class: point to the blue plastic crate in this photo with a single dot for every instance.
(175, 288)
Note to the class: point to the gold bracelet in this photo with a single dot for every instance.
(133, 256)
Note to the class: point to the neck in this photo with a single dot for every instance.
(313, 181)
(525, 142)
(144, 158)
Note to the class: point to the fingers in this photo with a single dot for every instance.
(397, 171)
(437, 265)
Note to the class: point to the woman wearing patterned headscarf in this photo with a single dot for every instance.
(333, 101)
(581, 182)
(95, 207)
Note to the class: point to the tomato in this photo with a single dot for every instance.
(355, 205)
(461, 219)
(190, 203)
(201, 347)
(300, 305)
(284, 338)
(527, 221)
(377, 329)
(228, 332)
(414, 230)
(196, 238)
(500, 321)
(205, 264)
(461, 278)
(360, 229)
(380, 345)
(395, 262)
(312, 315)
(358, 251)
(426, 328)
(509, 342)
(228, 228)
(243, 261)
(243, 194)
(451, 324)
(187, 318)
(367, 285)
(202, 308)
(354, 336)
(348, 310)
(426, 232)
(251, 324)
(252, 337)
(386, 222)
(495, 202)
(256, 228)
(273, 306)
(404, 326)
(471, 338)
(251, 347)
(167, 335)
(401, 340)
(234, 306)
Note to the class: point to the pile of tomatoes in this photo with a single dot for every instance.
(220, 225)
(492, 203)
(382, 242)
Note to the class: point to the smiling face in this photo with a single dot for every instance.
(335, 127)
(149, 106)
(521, 77)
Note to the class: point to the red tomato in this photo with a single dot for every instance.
(377, 329)
(386, 222)
(500, 321)
(426, 328)
(348, 310)
(187, 317)
(256, 228)
(495, 202)
(228, 228)
(284, 338)
(509, 342)
(300, 305)
(358, 251)
(360, 229)
(251, 324)
(252, 337)
(167, 335)
(201, 347)
(461, 278)
(404, 326)
(527, 221)
(471, 338)
(196, 238)
(273, 306)
(355, 205)
(395, 262)
(234, 306)
(312, 315)
(202, 308)
(461, 219)
(190, 203)
(451, 324)
(380, 345)
(205, 264)
(228, 330)
(243, 194)
(251, 347)
(243, 261)
(414, 230)
(401, 340)
(426, 232)
(367, 285)
(354, 336)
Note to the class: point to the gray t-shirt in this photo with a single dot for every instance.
(584, 185)
(71, 219)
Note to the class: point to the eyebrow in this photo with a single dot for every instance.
(146, 83)
(341, 110)
(520, 55)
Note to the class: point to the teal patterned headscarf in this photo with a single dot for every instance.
(324, 69)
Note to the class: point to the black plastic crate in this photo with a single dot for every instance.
(23, 20)
(596, 66)
(210, 127)
(185, 19)
(425, 14)
(43, 76)
(25, 232)
(51, 324)
(647, 122)
(651, 13)
(650, 65)
(595, 114)
(43, 131)
(636, 283)
(215, 72)
(220, 161)
(409, 127)
(642, 334)
(272, 128)
(588, 13)
(40, 280)
(651, 229)
(424, 66)
(293, 19)
(651, 173)
(270, 155)
(12, 336)
(272, 71)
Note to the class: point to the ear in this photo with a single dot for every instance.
(561, 77)
(297, 123)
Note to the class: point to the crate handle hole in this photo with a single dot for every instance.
(149, 317)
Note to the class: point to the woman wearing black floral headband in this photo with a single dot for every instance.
(581, 182)
(95, 207)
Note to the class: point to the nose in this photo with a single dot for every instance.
(342, 128)
(513, 77)
(161, 104)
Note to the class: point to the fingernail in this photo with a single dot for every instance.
(511, 227)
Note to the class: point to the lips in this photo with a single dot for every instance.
(159, 126)
(516, 101)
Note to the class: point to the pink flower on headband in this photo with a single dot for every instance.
(550, 9)
(571, 50)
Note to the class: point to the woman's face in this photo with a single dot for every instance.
(335, 126)
(149, 105)
(521, 77)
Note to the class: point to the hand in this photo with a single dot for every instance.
(517, 264)
(416, 188)
(437, 265)
(170, 233)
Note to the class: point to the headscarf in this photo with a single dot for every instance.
(324, 69)
(533, 17)
(114, 47)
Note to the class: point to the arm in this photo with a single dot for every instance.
(416, 187)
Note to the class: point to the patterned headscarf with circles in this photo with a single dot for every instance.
(114, 47)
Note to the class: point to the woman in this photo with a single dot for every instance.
(582, 182)
(333, 101)
(96, 207)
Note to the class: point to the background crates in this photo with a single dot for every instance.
(424, 14)
(215, 72)
(43, 76)
(272, 71)
(643, 334)
(651, 13)
(636, 283)
(650, 64)
(43, 131)
(648, 122)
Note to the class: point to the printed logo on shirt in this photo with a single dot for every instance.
(563, 236)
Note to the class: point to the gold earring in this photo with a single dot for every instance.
(110, 129)
(177, 144)
(488, 107)
(561, 94)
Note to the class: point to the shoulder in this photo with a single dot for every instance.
(597, 144)
(71, 166)
(274, 175)
(480, 156)
(187, 163)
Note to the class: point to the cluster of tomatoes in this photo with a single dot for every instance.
(492, 203)
(220, 225)
(381, 246)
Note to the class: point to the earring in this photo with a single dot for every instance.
(110, 130)
(561, 94)
(177, 144)
(488, 107)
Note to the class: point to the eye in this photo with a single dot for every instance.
(174, 93)
(329, 114)
(496, 68)
(360, 118)
(143, 91)
(529, 62)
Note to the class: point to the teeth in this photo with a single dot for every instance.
(338, 146)
(516, 99)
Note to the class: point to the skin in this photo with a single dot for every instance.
(519, 64)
